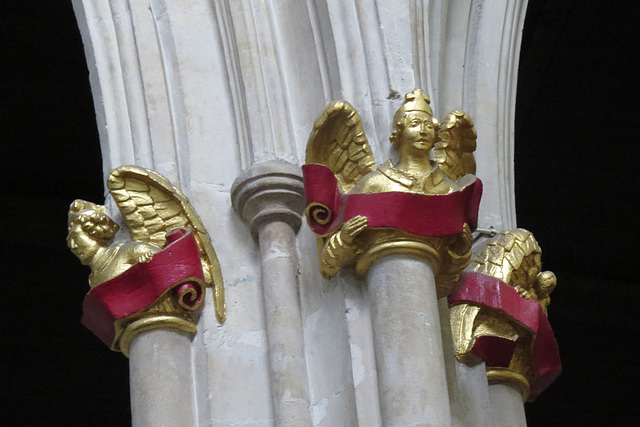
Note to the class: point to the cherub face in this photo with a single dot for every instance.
(419, 132)
(546, 282)
(82, 244)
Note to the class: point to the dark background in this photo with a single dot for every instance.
(576, 133)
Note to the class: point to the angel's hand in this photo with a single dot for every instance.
(523, 292)
(146, 257)
(352, 228)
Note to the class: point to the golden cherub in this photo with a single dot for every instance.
(90, 239)
(485, 312)
(152, 207)
(338, 143)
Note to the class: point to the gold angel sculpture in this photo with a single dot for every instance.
(499, 313)
(152, 208)
(368, 203)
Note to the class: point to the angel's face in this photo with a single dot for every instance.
(82, 244)
(419, 132)
(546, 282)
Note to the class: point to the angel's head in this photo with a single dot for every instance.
(545, 283)
(89, 229)
(414, 127)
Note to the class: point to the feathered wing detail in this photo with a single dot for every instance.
(338, 142)
(512, 256)
(454, 150)
(152, 206)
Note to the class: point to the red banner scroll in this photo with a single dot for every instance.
(436, 215)
(481, 289)
(177, 268)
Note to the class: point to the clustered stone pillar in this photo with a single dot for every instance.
(269, 196)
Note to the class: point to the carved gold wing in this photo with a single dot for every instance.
(512, 256)
(457, 143)
(338, 142)
(152, 206)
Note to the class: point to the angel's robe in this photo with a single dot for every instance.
(385, 179)
(388, 179)
(141, 280)
(508, 330)
(118, 258)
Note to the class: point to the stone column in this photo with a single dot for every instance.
(507, 407)
(161, 376)
(162, 391)
(408, 344)
(406, 275)
(269, 196)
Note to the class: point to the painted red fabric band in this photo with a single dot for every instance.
(481, 289)
(435, 215)
(175, 268)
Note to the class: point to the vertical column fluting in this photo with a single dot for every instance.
(408, 344)
(269, 196)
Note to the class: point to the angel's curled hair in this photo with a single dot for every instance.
(93, 219)
(398, 127)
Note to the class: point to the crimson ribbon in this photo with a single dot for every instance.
(177, 266)
(424, 215)
(477, 288)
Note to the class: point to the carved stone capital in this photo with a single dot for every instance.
(269, 191)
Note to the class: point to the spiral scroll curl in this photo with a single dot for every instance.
(189, 295)
(319, 213)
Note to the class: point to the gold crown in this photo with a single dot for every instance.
(414, 101)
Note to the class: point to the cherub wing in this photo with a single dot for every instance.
(454, 150)
(512, 256)
(152, 206)
(338, 142)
